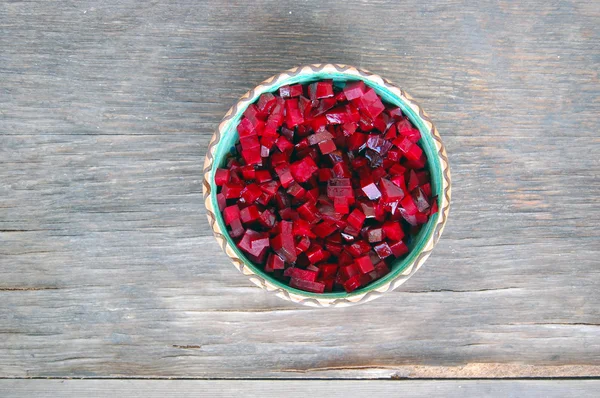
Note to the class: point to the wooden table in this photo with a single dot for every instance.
(109, 269)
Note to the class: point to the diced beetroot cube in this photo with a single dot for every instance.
(314, 287)
(274, 262)
(322, 89)
(356, 218)
(237, 229)
(414, 153)
(379, 271)
(375, 235)
(356, 141)
(340, 115)
(353, 283)
(248, 172)
(404, 144)
(249, 214)
(354, 90)
(398, 249)
(293, 115)
(339, 187)
(285, 176)
(296, 190)
(364, 264)
(251, 193)
(321, 136)
(289, 214)
(231, 213)
(323, 106)
(371, 191)
(262, 176)
(383, 250)
(391, 133)
(358, 248)
(324, 229)
(340, 170)
(349, 270)
(298, 273)
(316, 254)
(393, 230)
(340, 204)
(232, 191)
(328, 271)
(302, 245)
(290, 91)
(378, 144)
(390, 191)
(395, 112)
(420, 200)
(267, 218)
(409, 205)
(434, 207)
(309, 212)
(303, 228)
(303, 169)
(221, 201)
(221, 177)
(265, 102)
(283, 244)
(327, 146)
(253, 156)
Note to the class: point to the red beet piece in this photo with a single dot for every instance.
(398, 249)
(293, 115)
(393, 230)
(322, 89)
(375, 235)
(237, 229)
(324, 229)
(283, 244)
(298, 273)
(303, 169)
(221, 177)
(231, 213)
(290, 91)
(371, 191)
(383, 250)
(249, 214)
(356, 218)
(315, 287)
(327, 146)
(353, 283)
(302, 245)
(274, 262)
(364, 264)
(232, 191)
(390, 191)
(354, 90)
(328, 271)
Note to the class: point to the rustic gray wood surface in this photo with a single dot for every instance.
(297, 388)
(107, 264)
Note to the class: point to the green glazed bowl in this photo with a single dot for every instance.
(226, 137)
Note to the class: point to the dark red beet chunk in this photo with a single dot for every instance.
(327, 186)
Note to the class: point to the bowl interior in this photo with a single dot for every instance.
(230, 137)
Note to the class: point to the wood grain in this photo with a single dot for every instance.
(293, 389)
(109, 268)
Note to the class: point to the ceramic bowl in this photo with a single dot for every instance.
(226, 137)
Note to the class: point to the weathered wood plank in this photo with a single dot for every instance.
(108, 266)
(292, 389)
